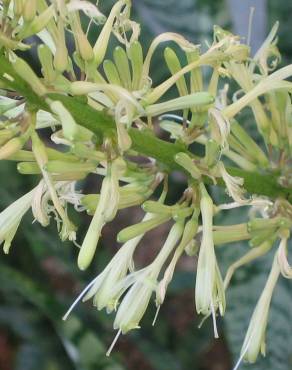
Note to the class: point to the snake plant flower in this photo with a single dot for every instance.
(189, 233)
(140, 285)
(101, 288)
(254, 341)
(209, 291)
(11, 217)
(105, 211)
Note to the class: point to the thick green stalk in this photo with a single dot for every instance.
(144, 142)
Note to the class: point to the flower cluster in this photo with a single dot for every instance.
(104, 115)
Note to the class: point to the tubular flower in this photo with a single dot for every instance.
(11, 217)
(254, 341)
(209, 292)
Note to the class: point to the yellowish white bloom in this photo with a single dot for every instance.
(11, 217)
(209, 292)
(254, 341)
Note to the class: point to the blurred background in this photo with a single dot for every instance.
(39, 278)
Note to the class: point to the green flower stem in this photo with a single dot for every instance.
(144, 142)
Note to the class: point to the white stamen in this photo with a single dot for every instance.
(156, 315)
(85, 290)
(113, 343)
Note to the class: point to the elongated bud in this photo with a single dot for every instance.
(135, 54)
(83, 46)
(174, 66)
(46, 60)
(22, 155)
(28, 168)
(67, 167)
(189, 101)
(70, 127)
(262, 224)
(37, 24)
(230, 234)
(122, 63)
(101, 44)
(111, 72)
(196, 82)
(158, 208)
(13, 145)
(187, 163)
(25, 72)
(61, 55)
(90, 241)
(29, 10)
(132, 231)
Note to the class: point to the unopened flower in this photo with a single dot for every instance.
(105, 211)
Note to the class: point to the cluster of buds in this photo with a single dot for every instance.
(104, 115)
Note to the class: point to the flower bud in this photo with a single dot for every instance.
(202, 99)
(61, 54)
(46, 60)
(82, 44)
(63, 167)
(28, 168)
(188, 164)
(13, 145)
(37, 24)
(101, 44)
(122, 64)
(91, 239)
(26, 73)
(174, 66)
(70, 127)
(111, 73)
(135, 54)
(132, 231)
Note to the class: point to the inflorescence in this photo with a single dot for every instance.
(104, 114)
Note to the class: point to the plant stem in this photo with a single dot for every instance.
(144, 141)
